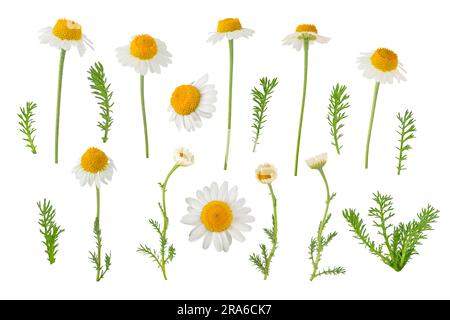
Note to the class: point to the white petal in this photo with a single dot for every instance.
(214, 191)
(194, 203)
(236, 234)
(217, 241)
(191, 219)
(197, 232)
(225, 243)
(223, 192)
(207, 240)
(241, 226)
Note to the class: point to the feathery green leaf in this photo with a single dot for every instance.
(336, 113)
(26, 122)
(49, 229)
(406, 130)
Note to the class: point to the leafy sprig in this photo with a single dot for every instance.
(261, 99)
(49, 229)
(406, 130)
(401, 241)
(336, 113)
(26, 122)
(95, 257)
(102, 92)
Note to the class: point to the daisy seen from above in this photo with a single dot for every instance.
(192, 102)
(95, 167)
(304, 35)
(218, 216)
(383, 66)
(145, 54)
(230, 29)
(64, 35)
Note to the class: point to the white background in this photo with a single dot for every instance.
(416, 30)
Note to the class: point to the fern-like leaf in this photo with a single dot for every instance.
(26, 122)
(261, 99)
(336, 113)
(406, 131)
(101, 89)
(49, 229)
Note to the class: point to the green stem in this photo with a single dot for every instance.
(321, 228)
(372, 115)
(166, 220)
(275, 232)
(338, 150)
(305, 80)
(230, 98)
(58, 101)
(144, 116)
(99, 247)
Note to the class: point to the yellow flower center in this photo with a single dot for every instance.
(143, 47)
(94, 160)
(384, 60)
(228, 25)
(262, 176)
(185, 99)
(67, 30)
(306, 28)
(216, 216)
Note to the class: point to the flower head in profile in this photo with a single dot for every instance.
(382, 65)
(183, 157)
(65, 34)
(144, 53)
(191, 102)
(302, 32)
(94, 167)
(318, 161)
(231, 29)
(266, 173)
(218, 215)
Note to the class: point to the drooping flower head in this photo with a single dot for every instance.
(144, 53)
(302, 32)
(191, 102)
(94, 167)
(65, 34)
(218, 215)
(183, 157)
(318, 161)
(382, 65)
(231, 29)
(266, 173)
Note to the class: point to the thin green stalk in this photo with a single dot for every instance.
(99, 247)
(372, 115)
(144, 117)
(230, 98)
(58, 101)
(275, 233)
(321, 228)
(305, 80)
(166, 220)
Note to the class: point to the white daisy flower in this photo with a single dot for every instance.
(144, 53)
(64, 35)
(266, 173)
(191, 102)
(218, 216)
(94, 167)
(304, 31)
(318, 161)
(231, 29)
(183, 157)
(381, 65)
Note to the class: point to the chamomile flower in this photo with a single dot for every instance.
(191, 102)
(144, 53)
(218, 216)
(94, 167)
(231, 29)
(382, 65)
(302, 32)
(318, 161)
(266, 173)
(304, 35)
(65, 34)
(183, 157)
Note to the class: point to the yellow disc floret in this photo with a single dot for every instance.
(262, 176)
(306, 28)
(67, 30)
(216, 216)
(143, 47)
(94, 160)
(384, 60)
(228, 25)
(185, 99)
